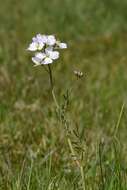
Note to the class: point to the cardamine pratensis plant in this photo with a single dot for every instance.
(45, 49)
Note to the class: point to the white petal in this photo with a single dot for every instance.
(51, 40)
(32, 46)
(34, 39)
(62, 45)
(46, 61)
(36, 61)
(48, 50)
(38, 36)
(40, 45)
(54, 54)
(41, 38)
(39, 41)
(44, 39)
(40, 55)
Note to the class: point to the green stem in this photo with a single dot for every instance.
(50, 77)
(54, 98)
(69, 141)
(100, 163)
(78, 163)
(119, 119)
(30, 175)
(52, 86)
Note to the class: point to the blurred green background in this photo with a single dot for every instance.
(96, 34)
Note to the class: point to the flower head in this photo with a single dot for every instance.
(45, 58)
(62, 45)
(38, 43)
(44, 47)
(51, 40)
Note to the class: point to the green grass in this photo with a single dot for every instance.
(34, 152)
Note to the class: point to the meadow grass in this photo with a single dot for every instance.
(36, 153)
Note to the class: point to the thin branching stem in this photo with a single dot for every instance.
(69, 141)
(77, 163)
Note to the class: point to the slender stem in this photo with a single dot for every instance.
(72, 151)
(54, 98)
(69, 141)
(50, 76)
(119, 119)
(101, 168)
(82, 176)
(78, 163)
(30, 175)
(52, 86)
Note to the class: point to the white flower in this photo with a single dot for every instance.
(32, 47)
(36, 61)
(40, 55)
(38, 58)
(45, 58)
(37, 43)
(51, 40)
(62, 45)
(44, 47)
(52, 54)
(40, 38)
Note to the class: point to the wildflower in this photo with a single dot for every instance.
(62, 45)
(44, 47)
(45, 58)
(38, 43)
(50, 56)
(37, 59)
(51, 40)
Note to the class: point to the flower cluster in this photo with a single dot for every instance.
(44, 47)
